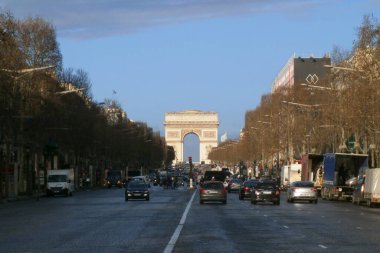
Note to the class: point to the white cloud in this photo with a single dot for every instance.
(97, 18)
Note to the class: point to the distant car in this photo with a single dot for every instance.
(302, 190)
(266, 192)
(246, 189)
(212, 191)
(137, 190)
(114, 181)
(142, 179)
(234, 185)
(214, 175)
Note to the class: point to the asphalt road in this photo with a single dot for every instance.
(101, 221)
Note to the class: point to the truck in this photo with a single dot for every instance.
(312, 170)
(289, 174)
(60, 182)
(367, 189)
(113, 178)
(340, 171)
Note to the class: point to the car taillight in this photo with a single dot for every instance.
(314, 189)
(246, 188)
(362, 189)
(277, 193)
(294, 189)
(201, 190)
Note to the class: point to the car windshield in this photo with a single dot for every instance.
(303, 184)
(250, 183)
(213, 186)
(57, 178)
(137, 184)
(266, 186)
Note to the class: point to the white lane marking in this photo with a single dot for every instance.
(286, 227)
(169, 248)
(359, 228)
(322, 246)
(265, 215)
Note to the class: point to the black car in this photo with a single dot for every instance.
(246, 189)
(137, 190)
(266, 192)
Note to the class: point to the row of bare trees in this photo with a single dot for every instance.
(48, 118)
(341, 114)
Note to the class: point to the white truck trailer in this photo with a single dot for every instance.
(372, 186)
(289, 174)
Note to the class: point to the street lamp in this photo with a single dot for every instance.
(68, 91)
(316, 86)
(342, 68)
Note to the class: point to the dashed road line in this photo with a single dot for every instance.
(169, 248)
(322, 246)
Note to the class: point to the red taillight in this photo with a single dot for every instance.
(314, 189)
(277, 193)
(246, 188)
(201, 190)
(294, 189)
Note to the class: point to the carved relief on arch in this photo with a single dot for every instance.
(173, 134)
(188, 131)
(209, 134)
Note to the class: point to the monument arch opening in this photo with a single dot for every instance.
(191, 145)
(203, 124)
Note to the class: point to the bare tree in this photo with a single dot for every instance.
(79, 78)
(37, 41)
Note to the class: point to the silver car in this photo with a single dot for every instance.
(213, 191)
(302, 190)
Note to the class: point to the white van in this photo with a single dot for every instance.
(60, 182)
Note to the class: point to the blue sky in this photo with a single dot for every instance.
(212, 55)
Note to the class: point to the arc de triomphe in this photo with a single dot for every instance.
(203, 124)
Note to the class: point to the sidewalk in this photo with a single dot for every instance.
(41, 194)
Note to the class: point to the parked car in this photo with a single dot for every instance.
(234, 185)
(137, 190)
(302, 190)
(266, 192)
(246, 189)
(212, 191)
